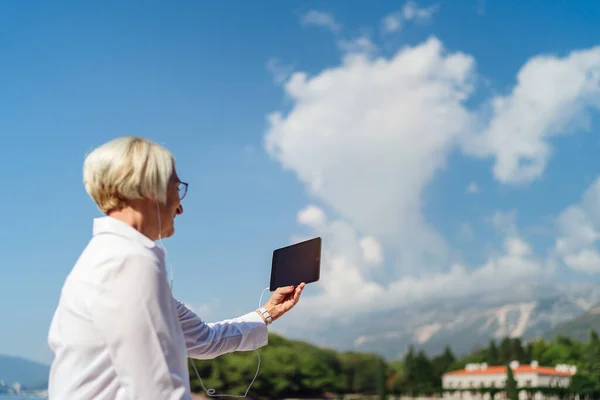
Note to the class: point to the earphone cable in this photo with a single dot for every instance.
(210, 392)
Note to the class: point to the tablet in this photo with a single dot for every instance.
(300, 262)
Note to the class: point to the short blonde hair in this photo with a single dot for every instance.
(127, 168)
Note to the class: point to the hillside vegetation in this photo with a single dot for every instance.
(300, 370)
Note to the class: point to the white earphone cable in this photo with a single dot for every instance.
(210, 392)
(163, 247)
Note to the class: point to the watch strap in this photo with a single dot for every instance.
(266, 315)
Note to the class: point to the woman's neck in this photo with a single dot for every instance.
(137, 221)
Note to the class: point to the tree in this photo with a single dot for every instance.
(506, 350)
(295, 369)
(382, 381)
(592, 356)
(583, 384)
(511, 385)
(442, 364)
(594, 340)
(493, 355)
(518, 353)
(529, 352)
(409, 373)
(397, 378)
(424, 373)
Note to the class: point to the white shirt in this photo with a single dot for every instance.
(118, 334)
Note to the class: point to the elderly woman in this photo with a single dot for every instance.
(117, 332)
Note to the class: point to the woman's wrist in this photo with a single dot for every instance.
(270, 309)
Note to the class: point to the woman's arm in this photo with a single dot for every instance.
(209, 340)
(248, 332)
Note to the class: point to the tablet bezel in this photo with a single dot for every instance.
(317, 267)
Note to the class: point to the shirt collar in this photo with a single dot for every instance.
(112, 225)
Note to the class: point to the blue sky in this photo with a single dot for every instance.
(196, 77)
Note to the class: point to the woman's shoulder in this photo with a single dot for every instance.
(107, 254)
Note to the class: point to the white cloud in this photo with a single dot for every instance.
(312, 216)
(361, 44)
(504, 222)
(552, 97)
(347, 285)
(199, 310)
(366, 138)
(586, 260)
(383, 128)
(465, 232)
(392, 22)
(371, 249)
(472, 188)
(205, 311)
(320, 18)
(279, 71)
(579, 230)
(410, 12)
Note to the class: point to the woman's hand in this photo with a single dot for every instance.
(283, 299)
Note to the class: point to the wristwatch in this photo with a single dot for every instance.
(266, 315)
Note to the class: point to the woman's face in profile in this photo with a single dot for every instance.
(172, 208)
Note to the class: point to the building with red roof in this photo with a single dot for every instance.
(466, 384)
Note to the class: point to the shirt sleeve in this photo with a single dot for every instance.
(209, 340)
(135, 314)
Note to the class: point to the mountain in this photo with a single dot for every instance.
(463, 323)
(578, 328)
(29, 374)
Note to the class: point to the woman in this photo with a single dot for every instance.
(117, 332)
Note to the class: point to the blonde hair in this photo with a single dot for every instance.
(127, 168)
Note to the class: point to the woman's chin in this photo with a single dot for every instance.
(167, 233)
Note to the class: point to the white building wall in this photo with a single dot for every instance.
(474, 381)
(548, 380)
(489, 380)
(527, 380)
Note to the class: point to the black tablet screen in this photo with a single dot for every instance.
(300, 262)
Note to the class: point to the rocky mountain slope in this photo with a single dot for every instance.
(463, 324)
(578, 328)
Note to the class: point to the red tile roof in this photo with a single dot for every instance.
(501, 369)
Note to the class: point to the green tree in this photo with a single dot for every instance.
(298, 369)
(592, 358)
(397, 379)
(506, 349)
(584, 384)
(441, 364)
(511, 385)
(518, 353)
(493, 355)
(529, 352)
(382, 388)
(538, 348)
(424, 374)
(409, 371)
(594, 337)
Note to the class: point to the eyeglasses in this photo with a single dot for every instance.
(182, 189)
